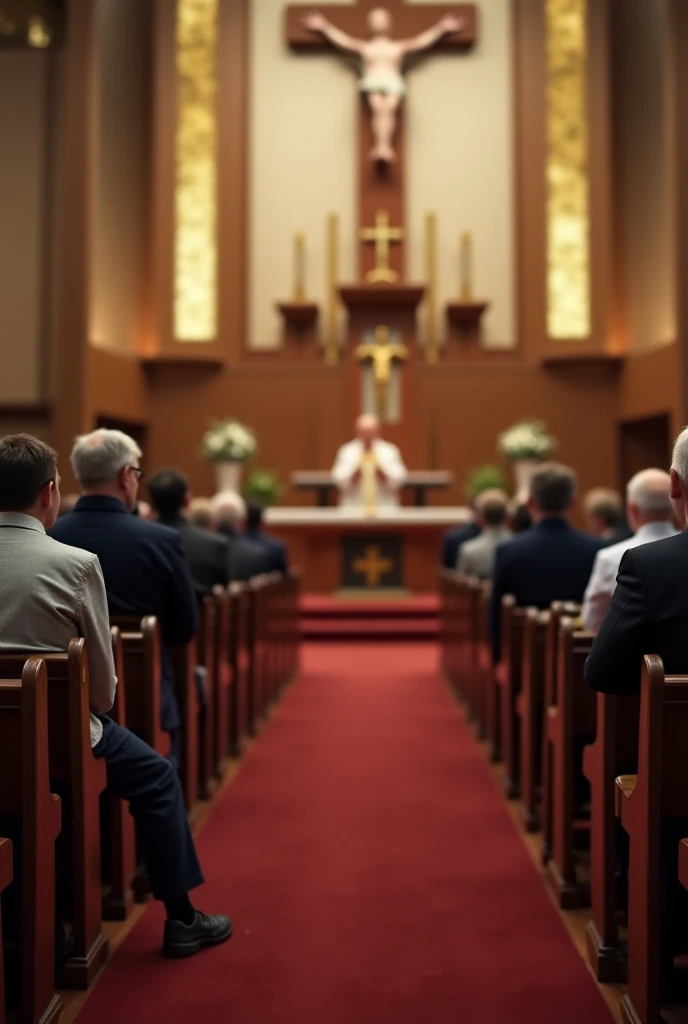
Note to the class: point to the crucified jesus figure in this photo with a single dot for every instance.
(382, 60)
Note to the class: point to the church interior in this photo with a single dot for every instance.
(371, 282)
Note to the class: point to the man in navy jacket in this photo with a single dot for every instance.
(549, 562)
(143, 564)
(275, 550)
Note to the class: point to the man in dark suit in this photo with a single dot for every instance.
(143, 563)
(549, 562)
(274, 549)
(246, 558)
(207, 553)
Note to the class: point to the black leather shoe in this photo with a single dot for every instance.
(186, 939)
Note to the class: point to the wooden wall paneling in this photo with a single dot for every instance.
(677, 95)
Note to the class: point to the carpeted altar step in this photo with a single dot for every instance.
(372, 618)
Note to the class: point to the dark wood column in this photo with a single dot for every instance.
(74, 226)
(677, 105)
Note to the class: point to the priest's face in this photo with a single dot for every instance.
(367, 429)
(380, 22)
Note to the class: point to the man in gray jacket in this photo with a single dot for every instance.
(51, 592)
(477, 556)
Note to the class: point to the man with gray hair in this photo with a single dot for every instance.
(649, 511)
(143, 564)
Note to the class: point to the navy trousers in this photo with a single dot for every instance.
(150, 784)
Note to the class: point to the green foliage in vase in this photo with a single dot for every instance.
(263, 485)
(484, 478)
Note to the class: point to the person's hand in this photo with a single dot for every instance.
(453, 23)
(355, 478)
(381, 475)
(314, 22)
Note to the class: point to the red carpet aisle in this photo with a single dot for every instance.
(372, 872)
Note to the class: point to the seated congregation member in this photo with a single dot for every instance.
(246, 558)
(649, 511)
(519, 519)
(200, 513)
(274, 549)
(603, 508)
(207, 553)
(647, 615)
(476, 557)
(649, 608)
(143, 563)
(50, 593)
(549, 562)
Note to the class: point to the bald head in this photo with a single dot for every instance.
(367, 428)
(648, 498)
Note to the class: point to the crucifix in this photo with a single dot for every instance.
(382, 36)
(382, 354)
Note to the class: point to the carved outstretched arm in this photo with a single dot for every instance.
(424, 40)
(334, 35)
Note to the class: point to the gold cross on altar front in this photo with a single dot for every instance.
(373, 566)
(382, 234)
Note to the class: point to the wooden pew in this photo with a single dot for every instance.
(255, 640)
(77, 774)
(294, 625)
(530, 709)
(6, 875)
(683, 863)
(614, 753)
(570, 721)
(238, 661)
(120, 855)
(508, 675)
(646, 802)
(207, 652)
(141, 652)
(224, 681)
(184, 668)
(25, 793)
(557, 611)
(482, 654)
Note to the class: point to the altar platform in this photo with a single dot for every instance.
(341, 549)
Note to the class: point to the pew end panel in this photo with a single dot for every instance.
(530, 708)
(6, 876)
(207, 642)
(509, 679)
(654, 799)
(25, 792)
(75, 773)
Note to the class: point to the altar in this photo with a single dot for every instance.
(339, 549)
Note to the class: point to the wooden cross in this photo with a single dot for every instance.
(373, 566)
(382, 234)
(380, 188)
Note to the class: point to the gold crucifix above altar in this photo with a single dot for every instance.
(382, 354)
(382, 235)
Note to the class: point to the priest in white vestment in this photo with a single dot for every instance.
(368, 471)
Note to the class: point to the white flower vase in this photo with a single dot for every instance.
(523, 470)
(228, 476)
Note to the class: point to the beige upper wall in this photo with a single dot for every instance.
(461, 166)
(23, 100)
(122, 185)
(303, 165)
(646, 229)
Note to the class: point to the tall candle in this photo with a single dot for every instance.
(299, 267)
(466, 267)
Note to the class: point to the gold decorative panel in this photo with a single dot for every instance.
(568, 234)
(195, 241)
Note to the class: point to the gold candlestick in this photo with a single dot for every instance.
(466, 267)
(431, 291)
(299, 267)
(332, 337)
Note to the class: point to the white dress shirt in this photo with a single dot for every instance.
(602, 583)
(387, 458)
(49, 594)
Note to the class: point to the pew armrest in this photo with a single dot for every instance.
(625, 784)
(683, 863)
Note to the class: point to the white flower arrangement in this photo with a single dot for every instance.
(228, 441)
(526, 440)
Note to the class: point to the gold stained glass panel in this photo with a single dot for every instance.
(568, 228)
(195, 242)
